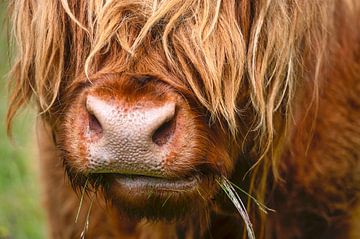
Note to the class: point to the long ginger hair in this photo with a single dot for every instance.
(231, 55)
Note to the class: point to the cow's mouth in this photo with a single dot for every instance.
(153, 197)
(142, 182)
(141, 196)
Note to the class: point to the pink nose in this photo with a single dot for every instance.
(129, 140)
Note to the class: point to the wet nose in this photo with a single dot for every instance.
(129, 139)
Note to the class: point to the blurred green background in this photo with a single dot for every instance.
(21, 214)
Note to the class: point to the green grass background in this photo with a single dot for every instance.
(21, 214)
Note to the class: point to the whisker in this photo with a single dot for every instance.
(166, 200)
(81, 200)
(197, 189)
(86, 225)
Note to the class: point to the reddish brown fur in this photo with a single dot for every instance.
(321, 167)
(315, 154)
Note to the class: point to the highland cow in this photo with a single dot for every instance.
(156, 115)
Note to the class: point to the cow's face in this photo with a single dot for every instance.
(148, 146)
(151, 101)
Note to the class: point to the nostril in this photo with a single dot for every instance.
(94, 125)
(116, 119)
(163, 134)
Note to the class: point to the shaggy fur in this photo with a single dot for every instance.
(270, 89)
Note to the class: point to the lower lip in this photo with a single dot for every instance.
(155, 183)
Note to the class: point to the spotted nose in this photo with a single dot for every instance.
(129, 139)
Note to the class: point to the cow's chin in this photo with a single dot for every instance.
(157, 198)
